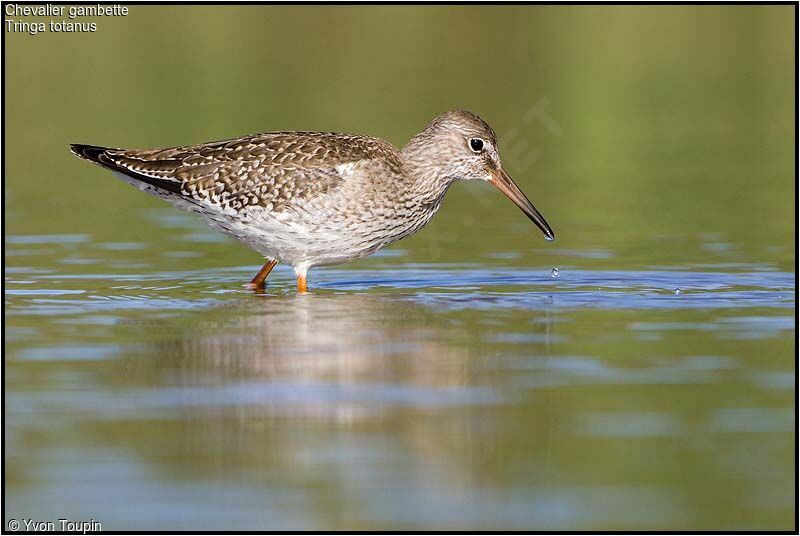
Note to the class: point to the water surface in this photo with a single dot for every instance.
(397, 394)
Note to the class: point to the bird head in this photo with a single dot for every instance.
(464, 147)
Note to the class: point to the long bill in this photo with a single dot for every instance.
(506, 184)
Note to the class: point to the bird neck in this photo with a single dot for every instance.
(428, 180)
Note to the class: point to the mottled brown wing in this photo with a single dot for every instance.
(272, 170)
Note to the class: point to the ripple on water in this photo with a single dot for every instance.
(470, 288)
(47, 239)
(750, 327)
(70, 353)
(43, 292)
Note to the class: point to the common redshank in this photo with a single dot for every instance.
(318, 198)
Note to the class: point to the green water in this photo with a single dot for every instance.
(449, 382)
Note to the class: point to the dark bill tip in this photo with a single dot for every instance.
(506, 184)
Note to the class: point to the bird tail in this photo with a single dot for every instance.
(110, 159)
(92, 153)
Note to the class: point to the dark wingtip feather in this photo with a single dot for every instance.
(91, 153)
(99, 155)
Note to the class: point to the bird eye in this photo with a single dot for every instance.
(476, 144)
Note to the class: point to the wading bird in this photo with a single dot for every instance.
(318, 198)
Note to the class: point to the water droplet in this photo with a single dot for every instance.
(677, 291)
(554, 273)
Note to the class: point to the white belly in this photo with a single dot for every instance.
(302, 239)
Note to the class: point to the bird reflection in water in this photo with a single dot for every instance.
(332, 396)
(319, 350)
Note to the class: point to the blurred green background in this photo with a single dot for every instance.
(672, 120)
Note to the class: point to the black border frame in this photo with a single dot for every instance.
(4, 529)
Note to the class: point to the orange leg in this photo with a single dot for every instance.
(301, 283)
(261, 276)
